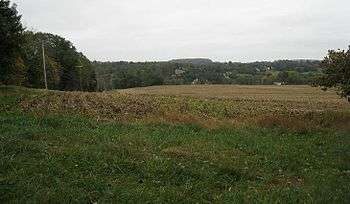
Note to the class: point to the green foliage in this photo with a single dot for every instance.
(195, 61)
(67, 69)
(11, 40)
(18, 74)
(336, 72)
(120, 75)
(282, 76)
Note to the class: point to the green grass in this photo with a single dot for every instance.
(66, 158)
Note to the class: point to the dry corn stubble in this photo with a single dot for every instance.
(293, 107)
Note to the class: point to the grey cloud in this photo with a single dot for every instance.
(223, 30)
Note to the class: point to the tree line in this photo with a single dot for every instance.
(21, 58)
(120, 75)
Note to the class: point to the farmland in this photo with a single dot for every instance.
(262, 92)
(204, 105)
(176, 144)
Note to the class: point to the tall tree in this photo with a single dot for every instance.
(283, 76)
(11, 40)
(66, 68)
(336, 72)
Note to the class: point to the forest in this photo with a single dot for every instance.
(120, 75)
(66, 68)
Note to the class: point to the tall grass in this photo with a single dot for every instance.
(59, 147)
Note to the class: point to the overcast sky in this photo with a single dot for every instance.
(223, 30)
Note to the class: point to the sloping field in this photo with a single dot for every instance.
(267, 104)
(73, 147)
(207, 105)
(284, 93)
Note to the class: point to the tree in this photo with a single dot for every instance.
(336, 72)
(11, 40)
(66, 68)
(18, 73)
(283, 76)
(293, 77)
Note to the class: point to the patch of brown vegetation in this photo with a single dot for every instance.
(285, 181)
(265, 106)
(238, 92)
(307, 121)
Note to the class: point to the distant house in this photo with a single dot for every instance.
(278, 83)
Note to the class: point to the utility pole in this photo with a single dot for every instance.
(80, 73)
(44, 65)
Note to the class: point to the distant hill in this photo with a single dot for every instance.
(195, 61)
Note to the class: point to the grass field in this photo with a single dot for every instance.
(159, 145)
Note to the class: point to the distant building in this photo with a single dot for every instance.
(278, 83)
